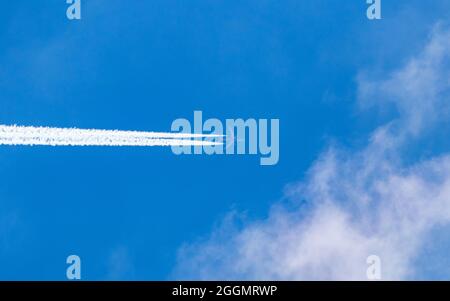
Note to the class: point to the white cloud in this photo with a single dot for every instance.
(358, 203)
(419, 91)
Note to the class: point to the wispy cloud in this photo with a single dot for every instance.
(352, 204)
(120, 264)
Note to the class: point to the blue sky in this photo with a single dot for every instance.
(138, 66)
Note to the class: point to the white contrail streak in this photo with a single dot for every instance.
(30, 135)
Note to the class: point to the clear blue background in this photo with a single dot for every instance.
(139, 65)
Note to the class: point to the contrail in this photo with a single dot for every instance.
(30, 135)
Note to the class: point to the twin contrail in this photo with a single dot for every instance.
(30, 135)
